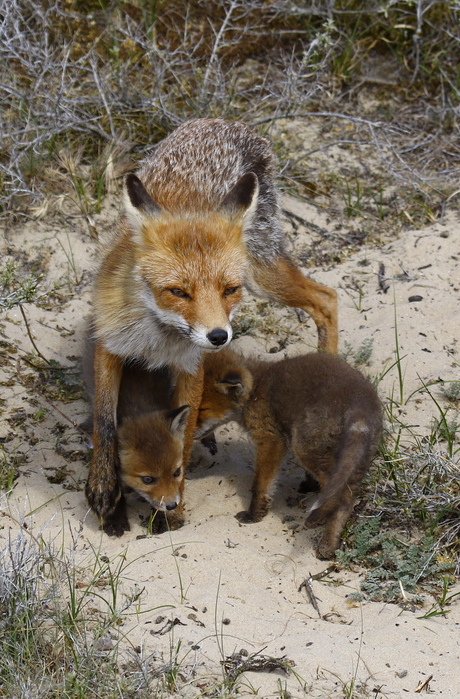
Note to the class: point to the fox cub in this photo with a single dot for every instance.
(150, 436)
(201, 219)
(316, 404)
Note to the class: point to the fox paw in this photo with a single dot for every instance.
(162, 523)
(116, 524)
(325, 551)
(247, 517)
(312, 524)
(103, 495)
(209, 441)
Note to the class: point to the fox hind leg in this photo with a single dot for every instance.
(335, 524)
(283, 282)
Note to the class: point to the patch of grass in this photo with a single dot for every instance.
(395, 567)
(53, 380)
(451, 392)
(60, 628)
(17, 287)
(442, 601)
(353, 198)
(416, 481)
(362, 355)
(408, 531)
(10, 462)
(81, 82)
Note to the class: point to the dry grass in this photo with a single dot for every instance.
(81, 82)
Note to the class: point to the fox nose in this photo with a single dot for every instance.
(171, 506)
(218, 336)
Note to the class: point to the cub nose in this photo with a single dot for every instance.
(171, 506)
(218, 336)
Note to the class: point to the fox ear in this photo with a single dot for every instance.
(242, 199)
(139, 205)
(178, 419)
(231, 384)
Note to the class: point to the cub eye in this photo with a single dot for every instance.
(180, 293)
(148, 480)
(177, 473)
(231, 290)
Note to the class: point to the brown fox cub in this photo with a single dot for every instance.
(201, 219)
(150, 436)
(316, 404)
(150, 449)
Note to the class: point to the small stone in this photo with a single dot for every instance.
(104, 643)
(288, 518)
(5, 430)
(401, 674)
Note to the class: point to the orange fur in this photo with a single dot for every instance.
(201, 218)
(150, 448)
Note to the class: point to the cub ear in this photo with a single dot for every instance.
(231, 384)
(139, 205)
(241, 201)
(178, 419)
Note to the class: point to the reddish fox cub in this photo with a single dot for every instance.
(151, 445)
(201, 219)
(316, 404)
(150, 435)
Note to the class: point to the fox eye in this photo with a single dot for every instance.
(180, 293)
(148, 480)
(177, 472)
(231, 290)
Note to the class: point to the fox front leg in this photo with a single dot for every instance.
(188, 391)
(103, 489)
(270, 451)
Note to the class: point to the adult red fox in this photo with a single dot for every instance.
(315, 404)
(201, 219)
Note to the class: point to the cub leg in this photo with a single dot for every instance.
(283, 282)
(270, 451)
(103, 490)
(335, 524)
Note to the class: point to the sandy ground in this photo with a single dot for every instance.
(231, 586)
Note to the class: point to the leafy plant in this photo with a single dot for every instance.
(395, 567)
